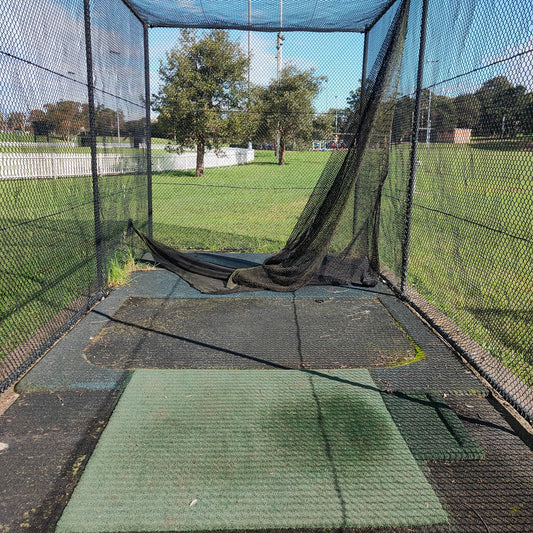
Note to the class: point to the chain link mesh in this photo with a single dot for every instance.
(469, 259)
(245, 201)
(466, 263)
(48, 273)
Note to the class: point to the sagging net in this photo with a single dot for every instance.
(335, 240)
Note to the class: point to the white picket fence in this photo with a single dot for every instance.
(52, 165)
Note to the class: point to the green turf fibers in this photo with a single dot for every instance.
(193, 450)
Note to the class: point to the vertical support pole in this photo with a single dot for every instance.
(249, 44)
(98, 241)
(361, 107)
(414, 148)
(365, 67)
(148, 131)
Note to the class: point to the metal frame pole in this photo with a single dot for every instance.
(365, 66)
(414, 148)
(361, 107)
(148, 131)
(98, 241)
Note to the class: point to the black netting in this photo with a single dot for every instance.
(468, 263)
(451, 232)
(53, 263)
(352, 15)
(335, 239)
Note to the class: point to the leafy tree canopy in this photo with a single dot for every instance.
(204, 80)
(286, 107)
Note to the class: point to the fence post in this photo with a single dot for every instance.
(414, 148)
(98, 242)
(54, 166)
(148, 131)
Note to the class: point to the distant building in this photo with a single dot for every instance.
(455, 136)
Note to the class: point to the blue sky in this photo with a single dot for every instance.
(484, 37)
(468, 43)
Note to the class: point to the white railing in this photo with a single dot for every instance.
(225, 157)
(54, 165)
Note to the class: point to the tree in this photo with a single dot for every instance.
(135, 130)
(40, 125)
(443, 113)
(322, 126)
(402, 122)
(105, 121)
(468, 111)
(68, 118)
(491, 112)
(16, 121)
(204, 80)
(354, 99)
(286, 106)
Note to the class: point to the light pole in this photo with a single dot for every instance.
(336, 127)
(116, 53)
(249, 58)
(428, 131)
(279, 48)
(280, 39)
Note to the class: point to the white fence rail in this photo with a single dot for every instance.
(52, 165)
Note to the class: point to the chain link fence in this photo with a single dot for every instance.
(65, 204)
(76, 165)
(467, 193)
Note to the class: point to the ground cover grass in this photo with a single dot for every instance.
(250, 207)
(472, 241)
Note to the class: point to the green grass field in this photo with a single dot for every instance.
(249, 208)
(48, 247)
(472, 242)
(471, 245)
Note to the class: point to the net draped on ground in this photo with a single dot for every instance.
(335, 240)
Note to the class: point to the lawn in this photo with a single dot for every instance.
(250, 207)
(471, 244)
(48, 246)
(471, 241)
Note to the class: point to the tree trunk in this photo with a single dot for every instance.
(281, 155)
(200, 153)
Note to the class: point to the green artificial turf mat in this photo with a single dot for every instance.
(431, 429)
(199, 450)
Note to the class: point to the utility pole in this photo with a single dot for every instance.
(336, 124)
(279, 48)
(249, 58)
(116, 54)
(249, 40)
(280, 39)
(428, 131)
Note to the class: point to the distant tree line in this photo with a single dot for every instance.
(67, 120)
(498, 109)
